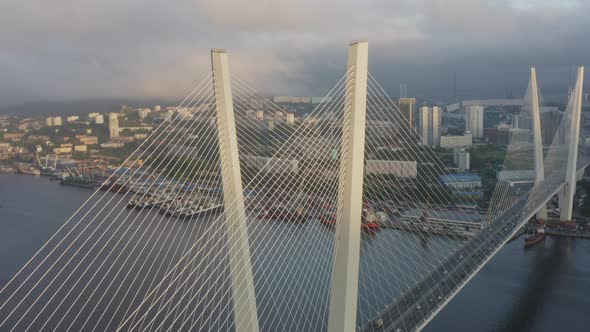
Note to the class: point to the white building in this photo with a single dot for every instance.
(403, 169)
(142, 113)
(49, 122)
(453, 142)
(80, 148)
(259, 115)
(157, 108)
(72, 118)
(57, 121)
(99, 119)
(516, 121)
(461, 158)
(462, 181)
(112, 145)
(474, 120)
(113, 125)
(290, 118)
(429, 128)
(184, 113)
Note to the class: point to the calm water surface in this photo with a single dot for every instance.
(546, 288)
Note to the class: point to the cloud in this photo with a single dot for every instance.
(72, 49)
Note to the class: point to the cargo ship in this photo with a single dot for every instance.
(77, 182)
(531, 240)
(368, 220)
(114, 186)
(29, 169)
(328, 219)
(536, 237)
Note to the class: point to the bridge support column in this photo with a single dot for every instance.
(566, 195)
(537, 138)
(243, 296)
(344, 291)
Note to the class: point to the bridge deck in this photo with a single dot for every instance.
(416, 307)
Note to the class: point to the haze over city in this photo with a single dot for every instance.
(72, 50)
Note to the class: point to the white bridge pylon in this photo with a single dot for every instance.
(566, 195)
(537, 138)
(345, 272)
(242, 284)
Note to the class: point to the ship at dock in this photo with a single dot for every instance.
(370, 219)
(77, 182)
(283, 213)
(183, 206)
(116, 186)
(536, 234)
(24, 168)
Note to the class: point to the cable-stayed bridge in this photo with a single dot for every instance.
(243, 217)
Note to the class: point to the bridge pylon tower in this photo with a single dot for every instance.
(345, 272)
(537, 138)
(240, 265)
(566, 195)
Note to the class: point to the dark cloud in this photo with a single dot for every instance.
(74, 49)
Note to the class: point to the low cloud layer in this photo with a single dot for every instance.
(75, 49)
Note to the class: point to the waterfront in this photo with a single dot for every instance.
(544, 288)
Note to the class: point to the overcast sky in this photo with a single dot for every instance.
(76, 49)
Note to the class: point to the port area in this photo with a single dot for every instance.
(568, 233)
(577, 228)
(441, 220)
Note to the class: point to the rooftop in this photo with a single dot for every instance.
(460, 177)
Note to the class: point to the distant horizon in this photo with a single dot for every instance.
(106, 104)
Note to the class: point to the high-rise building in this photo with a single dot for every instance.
(407, 107)
(57, 121)
(49, 122)
(516, 120)
(474, 120)
(259, 115)
(429, 125)
(99, 119)
(461, 158)
(113, 125)
(423, 125)
(142, 113)
(436, 122)
(290, 118)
